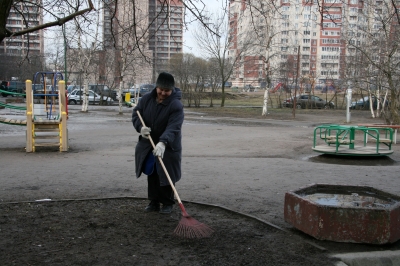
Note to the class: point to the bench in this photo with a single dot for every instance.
(394, 127)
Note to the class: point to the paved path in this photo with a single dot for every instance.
(244, 164)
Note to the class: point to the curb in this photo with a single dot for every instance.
(375, 258)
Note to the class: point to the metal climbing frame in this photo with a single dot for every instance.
(49, 97)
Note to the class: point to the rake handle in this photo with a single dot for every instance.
(163, 166)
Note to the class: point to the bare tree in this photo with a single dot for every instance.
(374, 56)
(217, 47)
(86, 39)
(77, 8)
(181, 66)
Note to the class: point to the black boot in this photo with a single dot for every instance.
(166, 209)
(154, 206)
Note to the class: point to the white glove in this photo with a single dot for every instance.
(159, 150)
(145, 132)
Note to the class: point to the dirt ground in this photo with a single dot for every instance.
(85, 207)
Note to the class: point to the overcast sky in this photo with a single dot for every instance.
(189, 45)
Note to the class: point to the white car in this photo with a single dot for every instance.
(76, 97)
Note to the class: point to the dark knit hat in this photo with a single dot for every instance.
(165, 81)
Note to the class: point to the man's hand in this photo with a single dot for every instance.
(159, 150)
(145, 132)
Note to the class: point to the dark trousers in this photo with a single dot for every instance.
(162, 194)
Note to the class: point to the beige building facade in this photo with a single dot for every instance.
(311, 44)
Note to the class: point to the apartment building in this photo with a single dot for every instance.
(14, 50)
(312, 43)
(165, 32)
(125, 55)
(158, 23)
(34, 41)
(247, 45)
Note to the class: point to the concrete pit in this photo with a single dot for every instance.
(341, 213)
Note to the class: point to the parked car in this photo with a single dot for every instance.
(363, 103)
(12, 87)
(70, 88)
(76, 97)
(38, 89)
(103, 90)
(143, 89)
(249, 88)
(308, 101)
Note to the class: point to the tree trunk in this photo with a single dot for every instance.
(85, 94)
(223, 95)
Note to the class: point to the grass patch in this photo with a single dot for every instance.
(256, 99)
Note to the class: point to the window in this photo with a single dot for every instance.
(314, 34)
(330, 41)
(330, 49)
(306, 32)
(306, 40)
(306, 49)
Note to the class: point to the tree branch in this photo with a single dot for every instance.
(58, 22)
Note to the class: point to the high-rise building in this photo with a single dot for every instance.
(33, 41)
(166, 32)
(158, 25)
(246, 46)
(126, 55)
(14, 49)
(316, 42)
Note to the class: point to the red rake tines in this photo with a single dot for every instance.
(189, 227)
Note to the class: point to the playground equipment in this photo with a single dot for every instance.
(48, 121)
(345, 140)
(45, 121)
(18, 110)
(277, 87)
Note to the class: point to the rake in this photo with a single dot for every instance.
(188, 227)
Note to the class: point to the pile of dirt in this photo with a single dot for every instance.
(119, 232)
